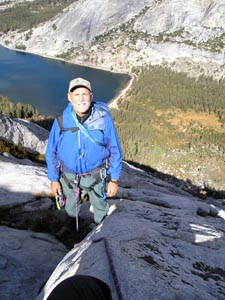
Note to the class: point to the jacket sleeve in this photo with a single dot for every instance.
(51, 152)
(114, 148)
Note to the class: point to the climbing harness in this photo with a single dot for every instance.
(99, 174)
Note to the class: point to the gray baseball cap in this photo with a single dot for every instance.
(79, 82)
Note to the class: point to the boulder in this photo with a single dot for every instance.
(21, 132)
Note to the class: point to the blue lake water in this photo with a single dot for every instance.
(43, 82)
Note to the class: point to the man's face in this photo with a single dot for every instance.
(80, 99)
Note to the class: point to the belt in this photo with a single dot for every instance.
(93, 172)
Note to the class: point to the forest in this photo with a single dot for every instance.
(170, 109)
(17, 110)
(172, 122)
(26, 15)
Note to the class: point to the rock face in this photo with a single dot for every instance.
(21, 132)
(123, 34)
(28, 253)
(23, 181)
(156, 242)
(25, 263)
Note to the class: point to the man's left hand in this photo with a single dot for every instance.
(112, 188)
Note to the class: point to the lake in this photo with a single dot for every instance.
(43, 82)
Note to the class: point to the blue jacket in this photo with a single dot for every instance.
(76, 152)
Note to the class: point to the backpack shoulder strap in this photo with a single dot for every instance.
(62, 129)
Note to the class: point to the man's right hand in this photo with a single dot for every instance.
(56, 188)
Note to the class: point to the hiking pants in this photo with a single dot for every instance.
(93, 188)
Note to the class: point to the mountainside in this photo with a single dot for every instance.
(159, 241)
(118, 35)
(175, 124)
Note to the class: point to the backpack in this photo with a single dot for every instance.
(100, 106)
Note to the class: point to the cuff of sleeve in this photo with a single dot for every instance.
(114, 181)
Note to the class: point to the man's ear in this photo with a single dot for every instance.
(69, 97)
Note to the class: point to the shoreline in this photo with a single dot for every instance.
(112, 103)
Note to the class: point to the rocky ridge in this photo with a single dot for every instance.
(125, 34)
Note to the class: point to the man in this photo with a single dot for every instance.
(80, 158)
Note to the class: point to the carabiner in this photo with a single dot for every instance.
(103, 173)
(60, 201)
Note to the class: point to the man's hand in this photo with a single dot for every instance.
(56, 188)
(112, 188)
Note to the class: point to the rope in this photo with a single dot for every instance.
(76, 197)
(113, 271)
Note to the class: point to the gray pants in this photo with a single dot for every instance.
(100, 206)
